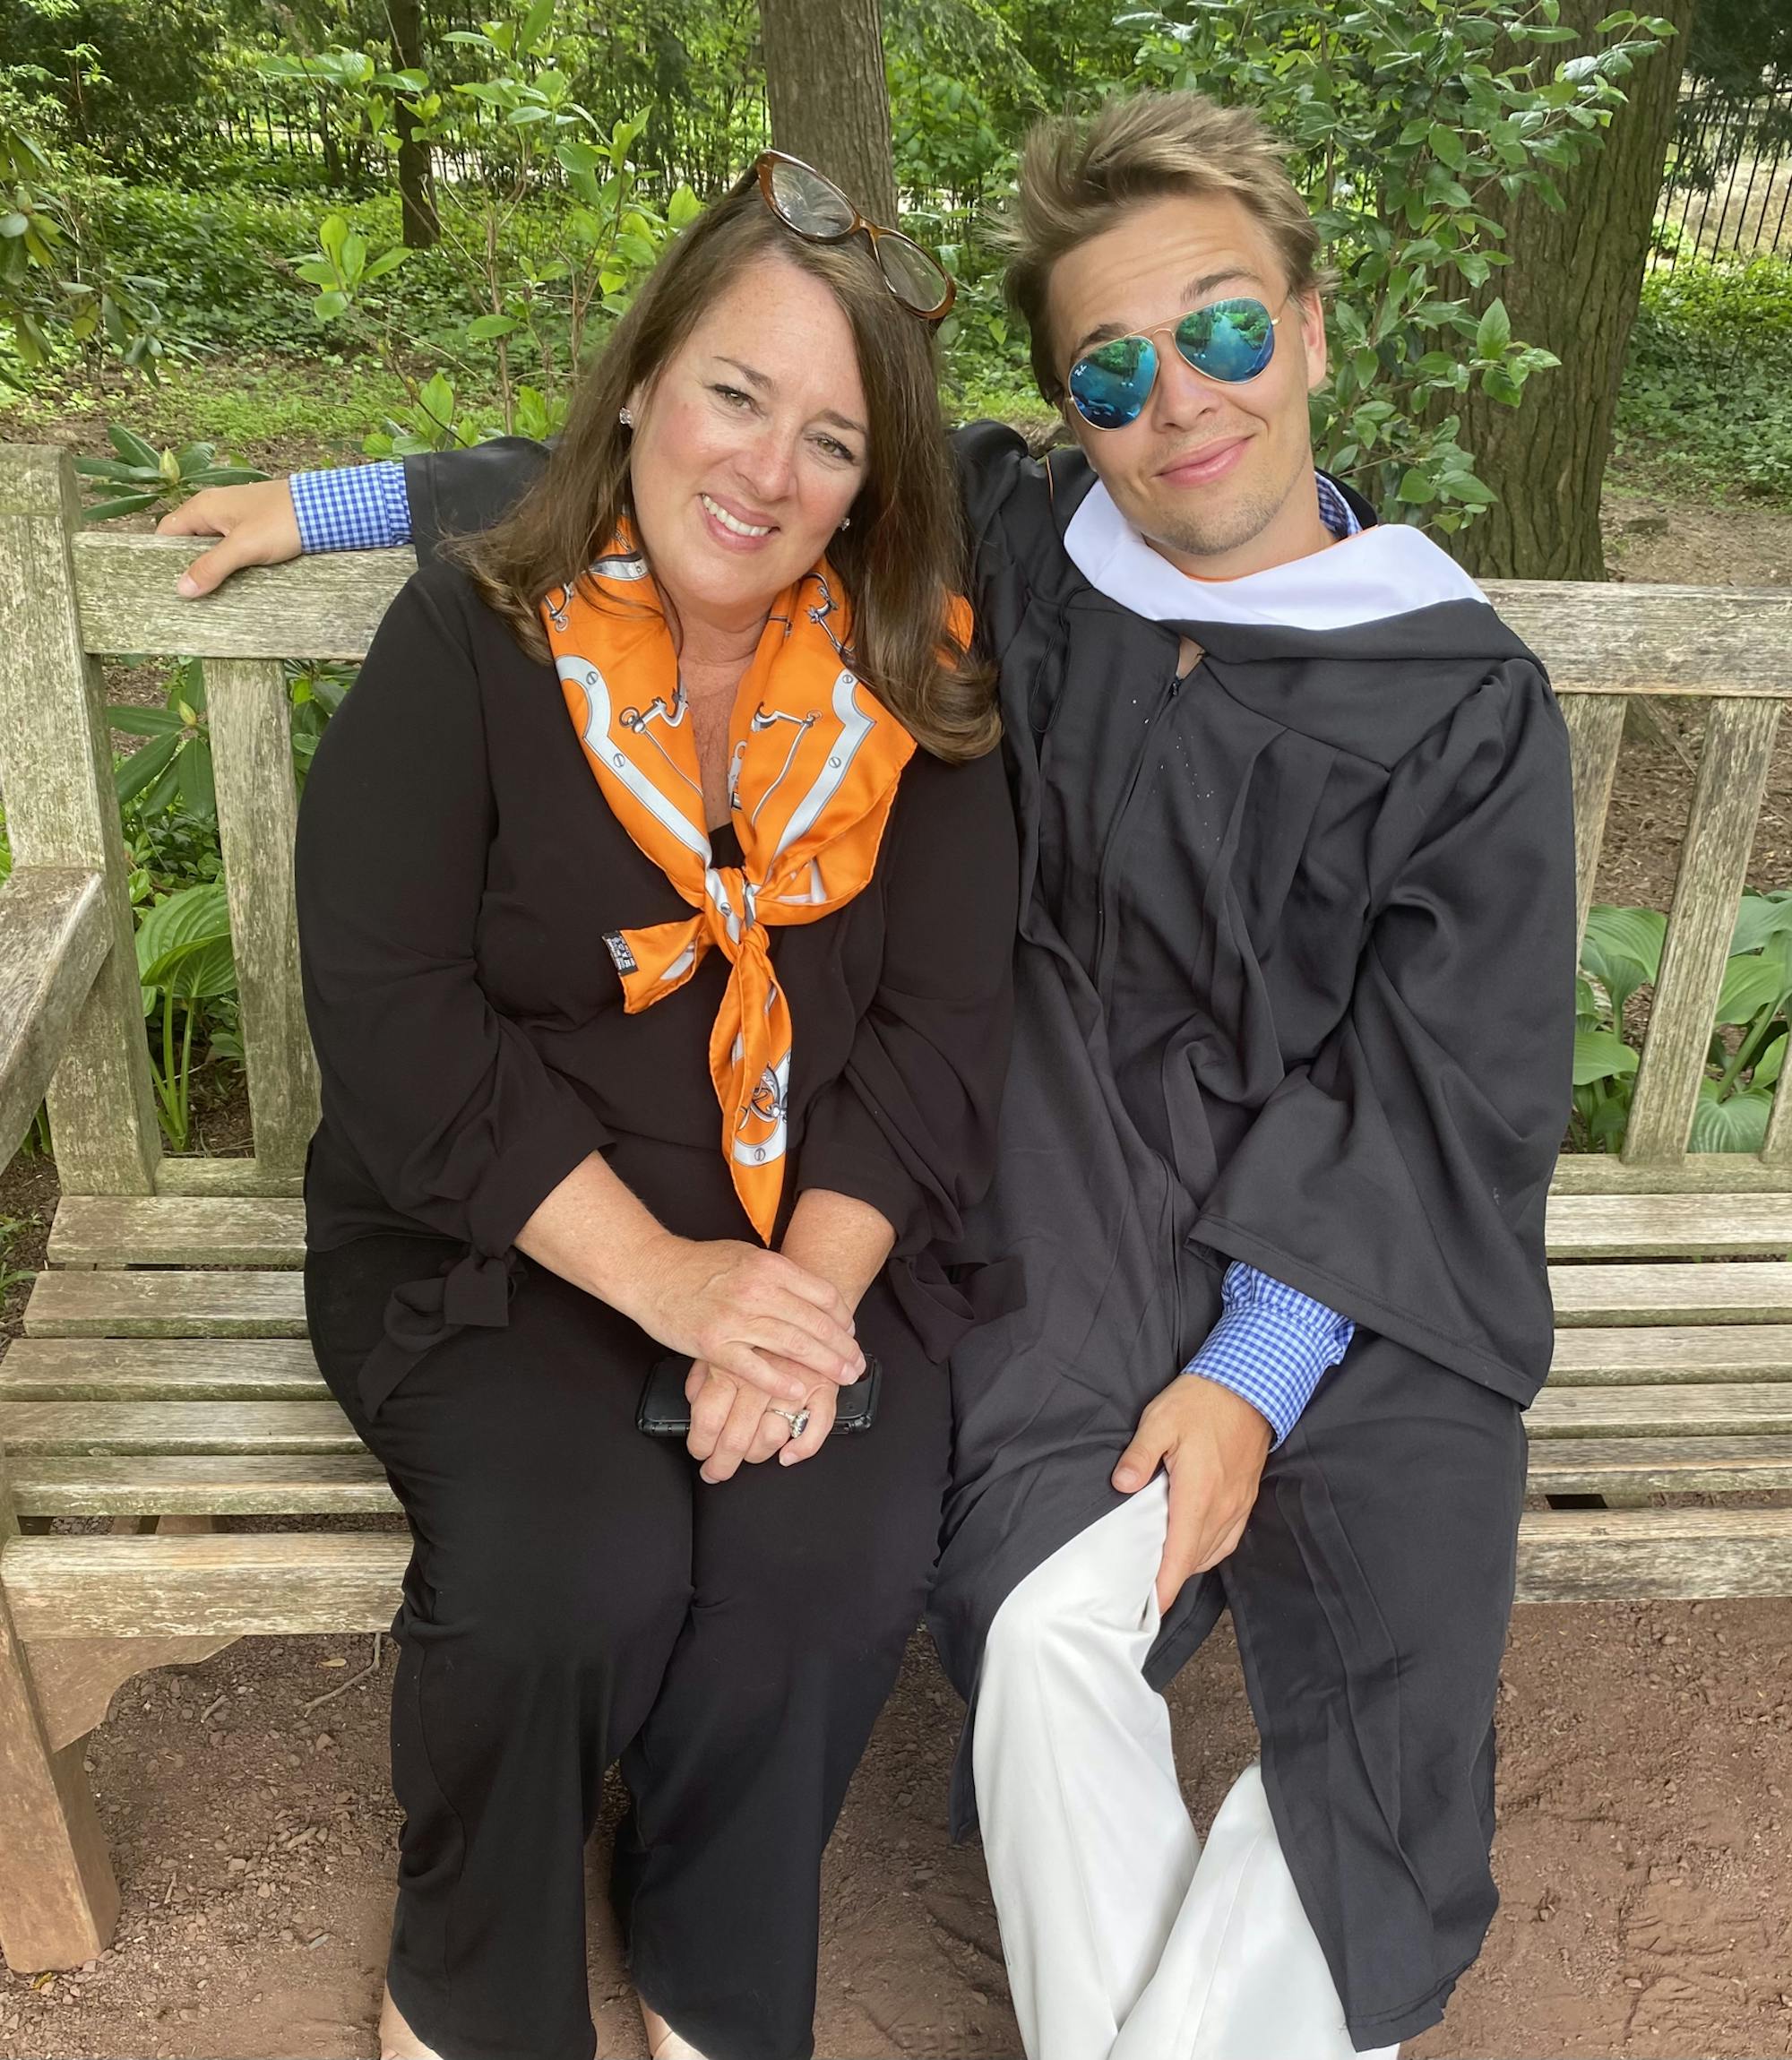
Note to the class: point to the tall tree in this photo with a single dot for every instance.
(826, 89)
(416, 186)
(1573, 286)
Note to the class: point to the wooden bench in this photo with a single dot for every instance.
(164, 1370)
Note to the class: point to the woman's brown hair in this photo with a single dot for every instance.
(901, 558)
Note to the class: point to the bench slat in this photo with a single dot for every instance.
(1757, 1293)
(314, 1484)
(1665, 1555)
(1763, 1408)
(70, 1429)
(1644, 1354)
(1659, 1465)
(188, 1304)
(236, 1584)
(103, 1230)
(1669, 1226)
(336, 1484)
(159, 1369)
(178, 1230)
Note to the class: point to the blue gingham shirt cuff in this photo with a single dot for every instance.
(1272, 1345)
(352, 507)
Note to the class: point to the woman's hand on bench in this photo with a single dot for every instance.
(256, 522)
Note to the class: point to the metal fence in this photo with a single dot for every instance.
(1730, 174)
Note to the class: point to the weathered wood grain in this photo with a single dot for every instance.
(246, 1304)
(1697, 1407)
(160, 1369)
(1596, 723)
(241, 1583)
(1717, 1291)
(1628, 639)
(76, 1678)
(257, 1484)
(62, 812)
(250, 1583)
(1671, 1554)
(1640, 639)
(1665, 1226)
(58, 1898)
(49, 1429)
(1698, 1173)
(1659, 1465)
(1655, 1354)
(103, 1230)
(55, 932)
(322, 607)
(194, 1175)
(257, 819)
(1733, 769)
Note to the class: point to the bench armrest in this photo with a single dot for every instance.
(53, 941)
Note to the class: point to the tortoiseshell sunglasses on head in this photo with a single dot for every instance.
(809, 203)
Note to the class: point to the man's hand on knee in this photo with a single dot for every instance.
(1212, 1443)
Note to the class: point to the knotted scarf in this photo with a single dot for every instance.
(814, 761)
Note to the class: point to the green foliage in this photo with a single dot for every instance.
(59, 279)
(1404, 118)
(140, 476)
(1623, 953)
(538, 301)
(1707, 395)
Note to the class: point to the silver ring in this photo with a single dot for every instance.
(797, 1419)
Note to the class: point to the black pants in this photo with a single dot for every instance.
(576, 1595)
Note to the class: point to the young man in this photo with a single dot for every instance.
(1293, 1056)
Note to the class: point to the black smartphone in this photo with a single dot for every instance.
(665, 1412)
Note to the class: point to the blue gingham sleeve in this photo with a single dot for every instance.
(1271, 1345)
(352, 507)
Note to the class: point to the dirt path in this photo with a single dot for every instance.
(1645, 1842)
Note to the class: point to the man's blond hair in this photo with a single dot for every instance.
(1078, 177)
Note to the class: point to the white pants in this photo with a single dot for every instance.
(1124, 1939)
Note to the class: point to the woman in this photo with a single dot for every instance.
(656, 891)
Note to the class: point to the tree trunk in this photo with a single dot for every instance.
(824, 85)
(416, 185)
(1573, 286)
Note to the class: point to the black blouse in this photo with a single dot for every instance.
(458, 868)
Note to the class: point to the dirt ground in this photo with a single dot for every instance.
(1645, 1844)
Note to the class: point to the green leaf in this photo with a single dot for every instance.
(1448, 147)
(1765, 1070)
(125, 504)
(1623, 949)
(1415, 487)
(183, 942)
(535, 24)
(1756, 980)
(488, 326)
(1495, 330)
(143, 721)
(1760, 918)
(131, 447)
(135, 772)
(1736, 1124)
(1600, 1055)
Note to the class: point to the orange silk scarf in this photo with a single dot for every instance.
(814, 761)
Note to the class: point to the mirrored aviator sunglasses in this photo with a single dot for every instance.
(809, 203)
(1231, 341)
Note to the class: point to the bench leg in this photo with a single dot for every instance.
(58, 1898)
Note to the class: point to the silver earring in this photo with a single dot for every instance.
(625, 416)
(846, 521)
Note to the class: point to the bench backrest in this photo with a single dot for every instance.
(67, 597)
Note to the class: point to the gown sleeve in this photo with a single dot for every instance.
(1401, 1176)
(454, 492)
(457, 1119)
(909, 1125)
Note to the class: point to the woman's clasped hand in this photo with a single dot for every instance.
(765, 1335)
